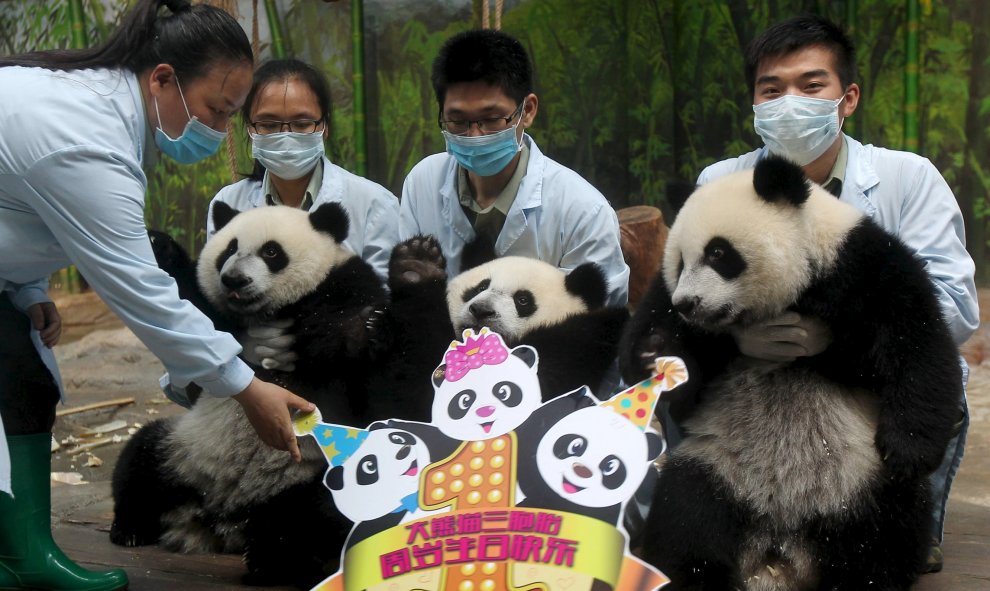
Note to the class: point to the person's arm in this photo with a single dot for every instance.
(382, 232)
(594, 238)
(932, 226)
(92, 200)
(32, 299)
(408, 222)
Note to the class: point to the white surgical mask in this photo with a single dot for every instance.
(288, 155)
(799, 128)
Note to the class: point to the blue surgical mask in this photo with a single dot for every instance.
(198, 140)
(288, 155)
(799, 128)
(484, 155)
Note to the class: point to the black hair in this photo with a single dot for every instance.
(278, 70)
(191, 40)
(486, 55)
(799, 32)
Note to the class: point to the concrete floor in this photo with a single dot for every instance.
(110, 363)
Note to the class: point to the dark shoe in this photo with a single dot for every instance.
(934, 562)
(29, 557)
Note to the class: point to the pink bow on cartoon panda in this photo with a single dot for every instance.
(486, 350)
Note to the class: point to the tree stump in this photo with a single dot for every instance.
(642, 235)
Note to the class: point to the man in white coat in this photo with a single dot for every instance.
(801, 72)
(494, 193)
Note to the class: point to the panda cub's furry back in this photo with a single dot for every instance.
(809, 474)
(204, 481)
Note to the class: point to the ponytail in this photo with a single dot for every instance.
(191, 39)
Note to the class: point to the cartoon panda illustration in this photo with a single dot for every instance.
(478, 403)
(810, 474)
(204, 481)
(528, 302)
(377, 486)
(588, 458)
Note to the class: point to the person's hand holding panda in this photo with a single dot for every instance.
(784, 338)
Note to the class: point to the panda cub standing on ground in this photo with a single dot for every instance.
(803, 475)
(204, 481)
(526, 301)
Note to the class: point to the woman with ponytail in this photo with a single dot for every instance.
(77, 128)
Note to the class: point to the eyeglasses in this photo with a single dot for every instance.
(485, 126)
(265, 126)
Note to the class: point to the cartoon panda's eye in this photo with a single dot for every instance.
(401, 438)
(367, 470)
(508, 393)
(460, 404)
(569, 445)
(613, 472)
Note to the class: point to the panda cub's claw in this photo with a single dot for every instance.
(415, 261)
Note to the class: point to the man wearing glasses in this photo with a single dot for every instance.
(494, 193)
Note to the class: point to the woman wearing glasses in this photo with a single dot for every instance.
(287, 113)
(494, 193)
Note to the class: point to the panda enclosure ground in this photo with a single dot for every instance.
(101, 360)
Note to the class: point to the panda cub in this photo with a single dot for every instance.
(810, 474)
(204, 481)
(560, 314)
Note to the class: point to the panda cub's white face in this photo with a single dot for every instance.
(488, 401)
(266, 258)
(579, 458)
(735, 257)
(511, 296)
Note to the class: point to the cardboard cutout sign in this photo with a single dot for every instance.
(500, 491)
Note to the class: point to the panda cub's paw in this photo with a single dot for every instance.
(416, 261)
(642, 360)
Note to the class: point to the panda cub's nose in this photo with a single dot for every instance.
(684, 306)
(481, 311)
(235, 280)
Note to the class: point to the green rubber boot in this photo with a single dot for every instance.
(29, 558)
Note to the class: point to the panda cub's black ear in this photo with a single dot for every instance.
(776, 178)
(588, 282)
(331, 219)
(222, 214)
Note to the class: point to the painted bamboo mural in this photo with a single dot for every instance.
(357, 75)
(275, 29)
(634, 94)
(911, 70)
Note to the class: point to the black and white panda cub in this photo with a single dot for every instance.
(204, 481)
(562, 315)
(809, 474)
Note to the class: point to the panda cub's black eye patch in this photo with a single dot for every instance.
(721, 256)
(525, 303)
(226, 254)
(472, 292)
(274, 256)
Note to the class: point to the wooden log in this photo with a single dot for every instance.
(642, 235)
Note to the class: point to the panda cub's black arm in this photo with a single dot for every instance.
(889, 337)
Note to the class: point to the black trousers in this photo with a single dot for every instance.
(28, 392)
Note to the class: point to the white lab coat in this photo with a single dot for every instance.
(72, 190)
(373, 212)
(905, 194)
(557, 217)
